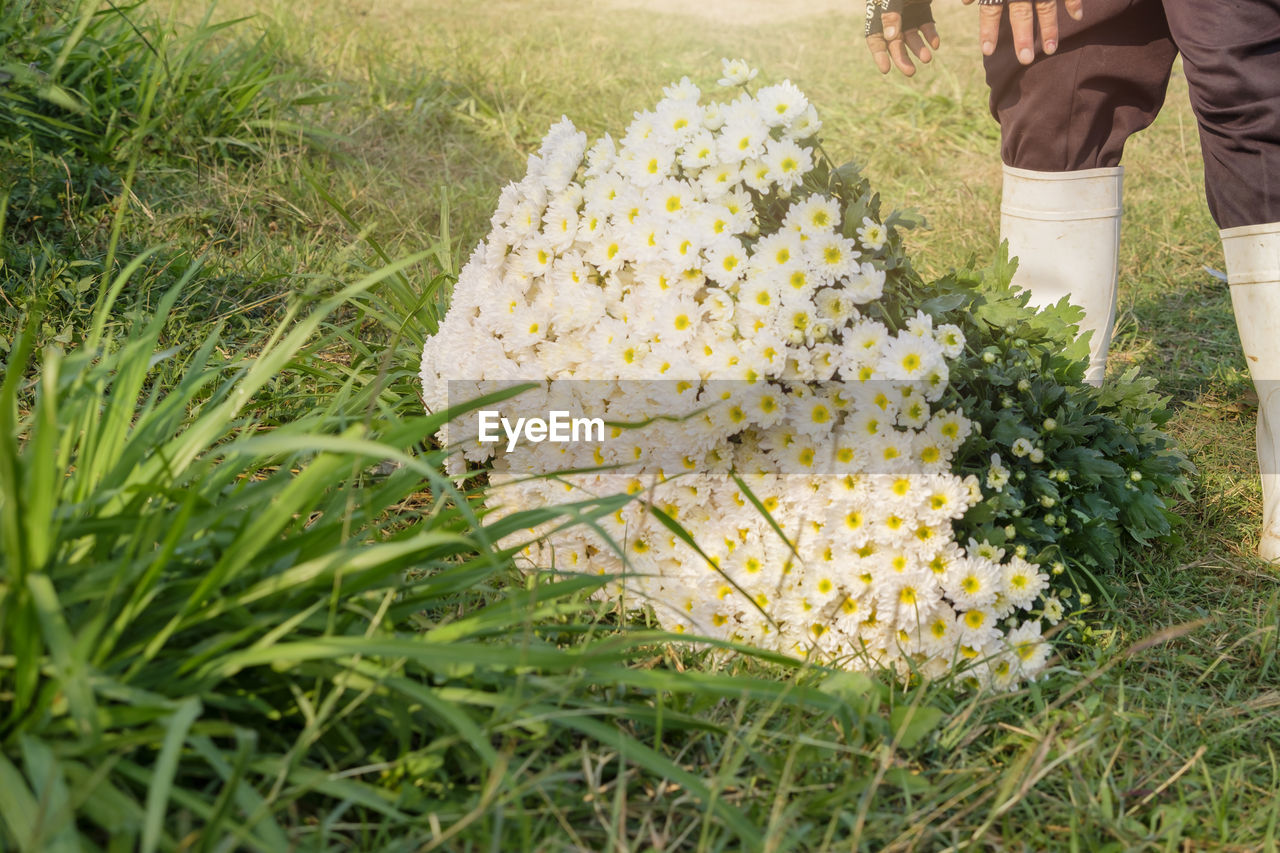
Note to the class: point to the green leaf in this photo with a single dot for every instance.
(911, 723)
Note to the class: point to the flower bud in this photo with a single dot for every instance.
(1049, 425)
(1136, 476)
(1058, 568)
(1047, 502)
(1024, 384)
(989, 357)
(1085, 599)
(1010, 531)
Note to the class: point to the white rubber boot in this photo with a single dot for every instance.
(1253, 271)
(1064, 228)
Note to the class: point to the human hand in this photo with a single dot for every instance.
(893, 26)
(1022, 20)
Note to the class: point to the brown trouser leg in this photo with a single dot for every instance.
(1075, 109)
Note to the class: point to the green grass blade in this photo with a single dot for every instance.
(71, 667)
(56, 825)
(18, 807)
(160, 790)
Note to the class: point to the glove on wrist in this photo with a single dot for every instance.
(915, 14)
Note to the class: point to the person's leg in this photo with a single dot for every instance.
(1064, 120)
(1231, 54)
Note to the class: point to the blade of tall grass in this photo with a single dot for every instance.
(18, 806)
(55, 825)
(166, 767)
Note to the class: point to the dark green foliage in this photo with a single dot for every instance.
(1108, 472)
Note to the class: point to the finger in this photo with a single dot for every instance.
(879, 52)
(1047, 17)
(1075, 8)
(989, 28)
(892, 22)
(898, 53)
(917, 46)
(1022, 22)
(930, 33)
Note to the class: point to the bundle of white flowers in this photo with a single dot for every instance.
(687, 270)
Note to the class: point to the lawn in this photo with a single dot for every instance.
(242, 608)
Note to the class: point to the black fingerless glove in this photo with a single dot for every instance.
(915, 14)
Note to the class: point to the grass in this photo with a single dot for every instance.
(521, 722)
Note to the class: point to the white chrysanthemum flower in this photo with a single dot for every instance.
(781, 104)
(601, 157)
(1023, 582)
(921, 325)
(719, 179)
(950, 428)
(805, 125)
(914, 412)
(736, 72)
(758, 175)
(866, 283)
(758, 296)
(950, 338)
(1053, 610)
(698, 152)
(741, 139)
(684, 90)
(766, 405)
(727, 262)
(978, 627)
(777, 251)
(946, 499)
(646, 163)
(814, 216)
(678, 121)
(788, 163)
(560, 225)
(836, 258)
(972, 583)
(713, 116)
(997, 474)
(872, 234)
(1029, 647)
(835, 306)
(1021, 447)
(907, 357)
(929, 455)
